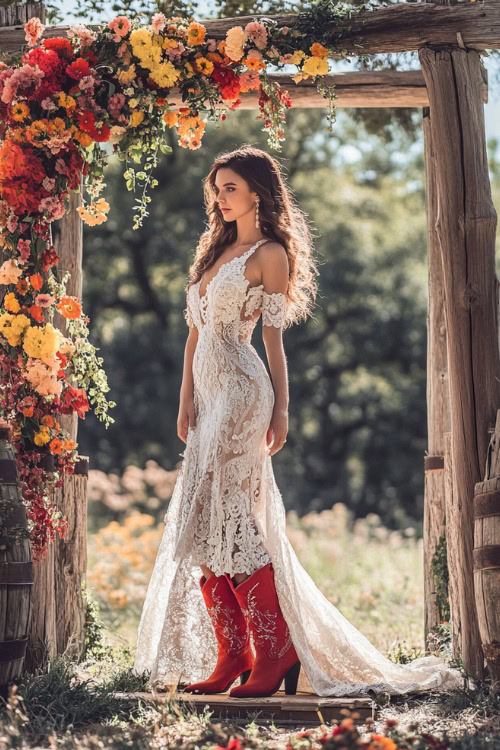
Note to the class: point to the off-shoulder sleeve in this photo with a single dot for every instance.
(187, 313)
(273, 309)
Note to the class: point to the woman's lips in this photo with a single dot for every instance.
(225, 209)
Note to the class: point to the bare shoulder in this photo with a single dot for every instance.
(273, 256)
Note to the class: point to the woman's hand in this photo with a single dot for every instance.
(186, 417)
(278, 427)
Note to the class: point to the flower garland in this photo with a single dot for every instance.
(59, 100)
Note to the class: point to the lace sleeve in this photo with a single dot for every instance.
(273, 309)
(188, 317)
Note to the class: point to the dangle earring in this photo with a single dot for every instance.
(257, 213)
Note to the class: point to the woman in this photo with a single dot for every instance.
(226, 516)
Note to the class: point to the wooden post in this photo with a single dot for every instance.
(438, 395)
(70, 554)
(466, 227)
(452, 531)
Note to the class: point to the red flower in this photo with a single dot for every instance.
(89, 55)
(227, 81)
(100, 134)
(62, 46)
(86, 120)
(73, 399)
(78, 69)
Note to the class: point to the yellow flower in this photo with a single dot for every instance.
(315, 66)
(196, 34)
(204, 66)
(189, 70)
(66, 101)
(168, 42)
(133, 103)
(126, 76)
(165, 75)
(42, 437)
(20, 111)
(11, 303)
(12, 327)
(136, 118)
(141, 41)
(297, 57)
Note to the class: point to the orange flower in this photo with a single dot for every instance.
(69, 307)
(196, 34)
(317, 50)
(170, 118)
(22, 286)
(253, 63)
(213, 57)
(11, 303)
(69, 445)
(20, 111)
(36, 281)
(28, 411)
(49, 420)
(56, 446)
(36, 312)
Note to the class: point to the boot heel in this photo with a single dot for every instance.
(291, 679)
(244, 676)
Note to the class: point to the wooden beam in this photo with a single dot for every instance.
(400, 27)
(381, 88)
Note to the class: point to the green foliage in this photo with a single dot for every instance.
(440, 576)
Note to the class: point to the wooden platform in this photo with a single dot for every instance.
(303, 709)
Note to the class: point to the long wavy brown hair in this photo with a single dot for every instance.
(281, 220)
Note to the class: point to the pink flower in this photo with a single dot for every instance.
(285, 30)
(22, 77)
(257, 33)
(212, 45)
(87, 82)
(85, 35)
(120, 26)
(54, 207)
(44, 300)
(24, 247)
(49, 184)
(47, 104)
(255, 54)
(12, 222)
(34, 29)
(249, 80)
(158, 22)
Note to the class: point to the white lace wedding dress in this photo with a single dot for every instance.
(227, 512)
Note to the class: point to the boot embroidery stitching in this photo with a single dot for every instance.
(222, 617)
(265, 626)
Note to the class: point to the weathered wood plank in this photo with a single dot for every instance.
(466, 228)
(302, 709)
(397, 28)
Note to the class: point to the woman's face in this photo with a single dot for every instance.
(233, 194)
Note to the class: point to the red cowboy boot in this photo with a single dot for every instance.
(235, 656)
(276, 657)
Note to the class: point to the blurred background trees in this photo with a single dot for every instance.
(357, 428)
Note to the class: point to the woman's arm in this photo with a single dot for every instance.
(274, 265)
(187, 417)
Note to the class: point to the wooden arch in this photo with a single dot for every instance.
(463, 364)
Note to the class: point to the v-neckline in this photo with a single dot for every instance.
(236, 257)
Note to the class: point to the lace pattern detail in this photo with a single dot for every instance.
(235, 642)
(265, 627)
(273, 309)
(227, 511)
